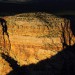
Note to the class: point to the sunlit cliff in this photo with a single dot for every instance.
(33, 37)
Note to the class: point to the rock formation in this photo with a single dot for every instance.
(33, 37)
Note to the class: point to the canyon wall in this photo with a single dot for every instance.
(32, 37)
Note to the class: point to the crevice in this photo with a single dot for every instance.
(5, 32)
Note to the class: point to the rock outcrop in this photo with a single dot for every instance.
(33, 37)
(4, 67)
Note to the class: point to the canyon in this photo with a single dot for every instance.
(33, 37)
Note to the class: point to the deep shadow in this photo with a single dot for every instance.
(4, 31)
(4, 26)
(52, 6)
(72, 23)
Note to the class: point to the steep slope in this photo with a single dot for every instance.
(32, 37)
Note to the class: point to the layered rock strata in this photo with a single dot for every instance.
(35, 36)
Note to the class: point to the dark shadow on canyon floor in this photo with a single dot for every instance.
(62, 63)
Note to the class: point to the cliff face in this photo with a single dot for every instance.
(32, 37)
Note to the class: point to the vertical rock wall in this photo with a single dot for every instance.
(35, 36)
